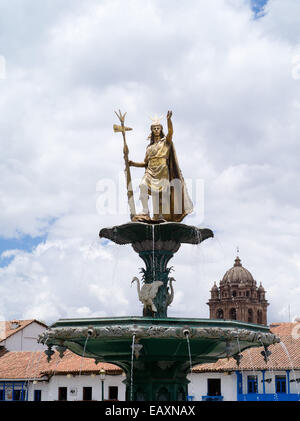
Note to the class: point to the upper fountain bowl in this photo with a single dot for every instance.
(136, 232)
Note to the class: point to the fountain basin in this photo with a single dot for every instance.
(161, 358)
(136, 232)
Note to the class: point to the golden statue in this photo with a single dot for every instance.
(162, 180)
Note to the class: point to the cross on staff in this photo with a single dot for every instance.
(123, 129)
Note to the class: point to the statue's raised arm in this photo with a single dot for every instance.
(170, 127)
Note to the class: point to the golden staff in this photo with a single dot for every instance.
(124, 129)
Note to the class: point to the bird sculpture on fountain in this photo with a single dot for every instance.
(147, 294)
(170, 296)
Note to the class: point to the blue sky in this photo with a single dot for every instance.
(258, 5)
(232, 83)
(24, 242)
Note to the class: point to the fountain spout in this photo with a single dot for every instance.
(266, 353)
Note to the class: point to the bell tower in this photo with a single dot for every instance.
(238, 297)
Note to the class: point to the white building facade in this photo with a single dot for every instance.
(78, 388)
(21, 335)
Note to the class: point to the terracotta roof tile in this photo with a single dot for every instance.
(73, 364)
(34, 365)
(283, 356)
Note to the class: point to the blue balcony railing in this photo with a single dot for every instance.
(212, 398)
(280, 397)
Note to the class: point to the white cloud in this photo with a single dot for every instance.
(229, 80)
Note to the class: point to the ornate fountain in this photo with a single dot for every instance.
(155, 351)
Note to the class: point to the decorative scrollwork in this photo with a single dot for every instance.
(49, 352)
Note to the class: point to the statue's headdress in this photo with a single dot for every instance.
(156, 119)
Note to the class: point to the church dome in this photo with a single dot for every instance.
(237, 274)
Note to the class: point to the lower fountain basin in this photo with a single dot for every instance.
(155, 354)
(110, 339)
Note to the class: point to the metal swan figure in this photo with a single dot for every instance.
(170, 296)
(147, 293)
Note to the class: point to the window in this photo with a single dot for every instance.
(113, 393)
(37, 395)
(87, 393)
(1, 395)
(18, 395)
(234, 293)
(232, 314)
(280, 382)
(62, 393)
(250, 315)
(220, 314)
(252, 384)
(214, 387)
(259, 317)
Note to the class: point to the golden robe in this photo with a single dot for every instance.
(161, 169)
(156, 176)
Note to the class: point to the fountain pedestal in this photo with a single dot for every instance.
(158, 381)
(156, 244)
